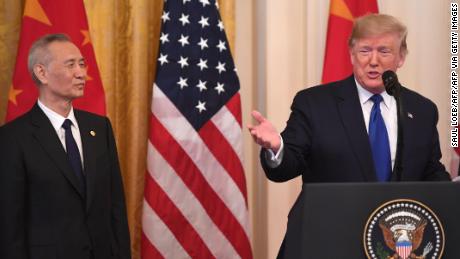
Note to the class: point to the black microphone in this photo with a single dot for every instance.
(390, 80)
(393, 88)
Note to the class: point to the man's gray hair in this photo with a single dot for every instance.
(39, 54)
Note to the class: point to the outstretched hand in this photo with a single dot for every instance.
(264, 133)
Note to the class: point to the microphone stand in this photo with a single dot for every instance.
(400, 142)
(394, 88)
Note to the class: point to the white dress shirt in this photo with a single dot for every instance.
(57, 120)
(389, 114)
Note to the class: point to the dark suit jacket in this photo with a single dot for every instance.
(325, 139)
(44, 211)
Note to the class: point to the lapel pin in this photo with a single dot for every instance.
(410, 115)
(92, 133)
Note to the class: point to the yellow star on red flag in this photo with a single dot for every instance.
(87, 38)
(34, 10)
(339, 8)
(12, 94)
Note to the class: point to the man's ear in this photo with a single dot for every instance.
(352, 57)
(40, 73)
(402, 58)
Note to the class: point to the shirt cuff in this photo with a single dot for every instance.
(274, 160)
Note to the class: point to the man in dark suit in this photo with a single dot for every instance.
(61, 192)
(346, 131)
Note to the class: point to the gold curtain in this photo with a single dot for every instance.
(125, 35)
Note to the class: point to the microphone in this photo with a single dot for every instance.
(390, 80)
(393, 88)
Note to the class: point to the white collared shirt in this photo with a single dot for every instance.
(389, 114)
(57, 120)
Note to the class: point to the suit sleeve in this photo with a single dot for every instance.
(12, 198)
(119, 218)
(297, 140)
(435, 170)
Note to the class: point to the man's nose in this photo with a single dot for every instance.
(80, 72)
(374, 59)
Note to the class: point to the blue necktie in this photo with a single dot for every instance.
(378, 138)
(73, 154)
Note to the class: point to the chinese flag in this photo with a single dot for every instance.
(54, 16)
(337, 64)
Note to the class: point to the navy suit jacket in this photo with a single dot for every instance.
(44, 210)
(325, 139)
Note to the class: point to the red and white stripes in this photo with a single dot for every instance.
(195, 197)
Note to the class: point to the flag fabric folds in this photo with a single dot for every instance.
(43, 17)
(195, 200)
(337, 64)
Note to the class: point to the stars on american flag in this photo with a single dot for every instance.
(165, 17)
(163, 59)
(204, 2)
(201, 106)
(203, 43)
(201, 85)
(220, 67)
(194, 50)
(219, 88)
(203, 64)
(204, 22)
(221, 46)
(184, 19)
(183, 62)
(220, 25)
(183, 40)
(164, 38)
(182, 82)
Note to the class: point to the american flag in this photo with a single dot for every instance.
(195, 201)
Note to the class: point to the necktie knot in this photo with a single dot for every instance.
(376, 98)
(67, 123)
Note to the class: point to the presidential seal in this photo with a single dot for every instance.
(403, 229)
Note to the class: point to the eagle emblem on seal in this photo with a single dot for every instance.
(403, 229)
(403, 233)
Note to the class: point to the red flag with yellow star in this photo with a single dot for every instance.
(54, 16)
(337, 63)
